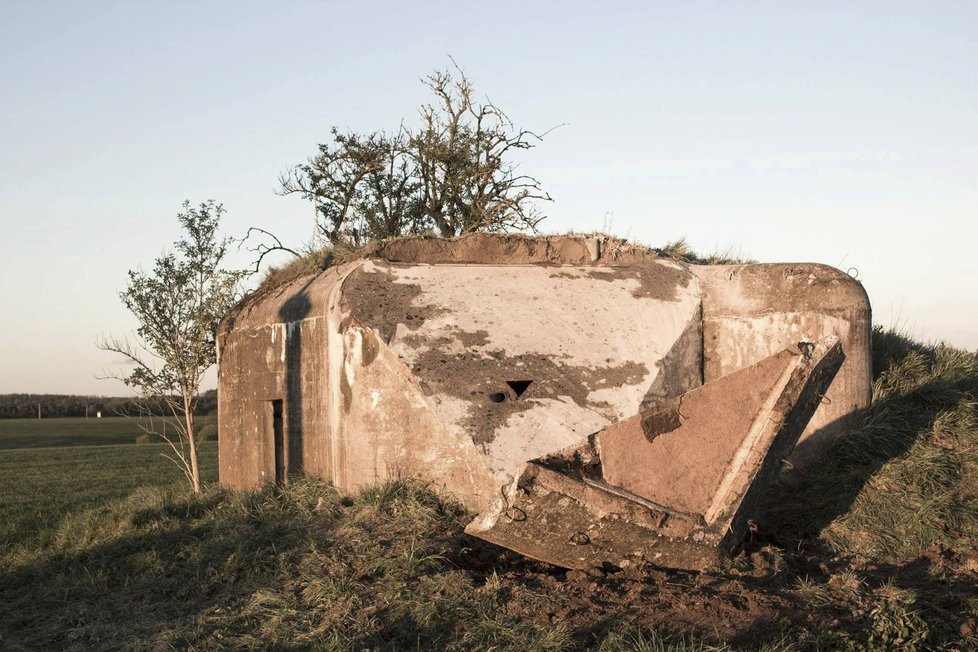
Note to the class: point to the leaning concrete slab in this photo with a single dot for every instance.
(675, 485)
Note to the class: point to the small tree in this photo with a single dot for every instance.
(466, 182)
(364, 187)
(451, 175)
(178, 307)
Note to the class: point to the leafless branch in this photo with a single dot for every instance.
(264, 248)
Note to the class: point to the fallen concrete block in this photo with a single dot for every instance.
(676, 485)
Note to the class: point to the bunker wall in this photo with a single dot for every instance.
(523, 360)
(395, 365)
(305, 388)
(388, 429)
(272, 403)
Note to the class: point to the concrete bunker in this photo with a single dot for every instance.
(461, 361)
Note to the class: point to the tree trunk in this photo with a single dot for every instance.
(192, 443)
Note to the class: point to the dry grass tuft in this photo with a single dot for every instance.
(681, 250)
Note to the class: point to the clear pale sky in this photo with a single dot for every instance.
(843, 133)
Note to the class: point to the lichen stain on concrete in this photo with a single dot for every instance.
(680, 369)
(662, 420)
(456, 339)
(473, 339)
(360, 349)
(370, 348)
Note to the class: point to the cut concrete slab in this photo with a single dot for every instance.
(679, 453)
(675, 485)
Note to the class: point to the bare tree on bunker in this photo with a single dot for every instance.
(177, 306)
(450, 175)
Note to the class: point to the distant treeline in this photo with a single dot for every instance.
(24, 406)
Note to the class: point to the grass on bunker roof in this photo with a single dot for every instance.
(877, 548)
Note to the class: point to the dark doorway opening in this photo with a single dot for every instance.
(279, 438)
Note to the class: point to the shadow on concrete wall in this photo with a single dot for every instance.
(681, 368)
(292, 313)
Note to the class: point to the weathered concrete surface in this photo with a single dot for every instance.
(353, 413)
(675, 485)
(585, 340)
(458, 360)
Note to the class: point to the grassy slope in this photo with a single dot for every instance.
(877, 549)
(303, 568)
(44, 433)
(908, 478)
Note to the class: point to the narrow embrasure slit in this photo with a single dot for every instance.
(519, 386)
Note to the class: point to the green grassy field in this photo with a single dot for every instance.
(46, 433)
(40, 487)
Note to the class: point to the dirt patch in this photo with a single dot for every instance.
(685, 604)
(756, 599)
(487, 249)
(737, 608)
(514, 249)
(656, 281)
